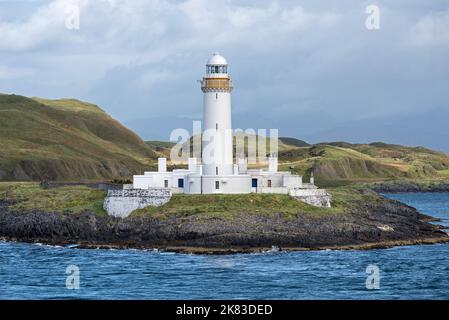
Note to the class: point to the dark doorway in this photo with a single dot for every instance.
(254, 183)
(180, 183)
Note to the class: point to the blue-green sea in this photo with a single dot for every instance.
(33, 271)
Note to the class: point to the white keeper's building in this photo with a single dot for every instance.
(217, 172)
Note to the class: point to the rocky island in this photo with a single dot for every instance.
(215, 224)
(70, 140)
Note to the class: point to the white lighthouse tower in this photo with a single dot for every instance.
(217, 154)
(217, 173)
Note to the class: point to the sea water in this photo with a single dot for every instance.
(33, 271)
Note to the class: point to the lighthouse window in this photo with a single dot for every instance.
(217, 69)
(216, 96)
(217, 185)
(269, 183)
(216, 171)
(165, 183)
(216, 126)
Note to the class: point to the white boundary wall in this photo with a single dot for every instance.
(120, 203)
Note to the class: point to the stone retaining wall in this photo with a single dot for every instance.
(316, 197)
(120, 203)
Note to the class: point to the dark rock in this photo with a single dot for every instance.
(408, 186)
(370, 223)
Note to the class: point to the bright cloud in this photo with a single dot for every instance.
(140, 58)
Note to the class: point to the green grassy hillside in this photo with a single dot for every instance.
(30, 196)
(65, 140)
(163, 148)
(68, 139)
(336, 163)
(293, 142)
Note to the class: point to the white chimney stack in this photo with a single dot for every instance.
(192, 165)
(162, 164)
(272, 164)
(243, 165)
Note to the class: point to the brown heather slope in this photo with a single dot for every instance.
(65, 140)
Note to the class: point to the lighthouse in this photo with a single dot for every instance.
(217, 173)
(217, 153)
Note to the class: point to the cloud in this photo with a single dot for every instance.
(44, 25)
(141, 58)
(432, 29)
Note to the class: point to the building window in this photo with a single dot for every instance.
(165, 183)
(269, 183)
(216, 171)
(180, 183)
(217, 185)
(217, 69)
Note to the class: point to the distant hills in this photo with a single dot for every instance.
(69, 139)
(341, 162)
(427, 128)
(65, 140)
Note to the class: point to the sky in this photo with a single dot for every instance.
(311, 69)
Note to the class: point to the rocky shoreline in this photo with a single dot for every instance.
(369, 225)
(409, 187)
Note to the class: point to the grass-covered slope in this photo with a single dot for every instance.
(228, 206)
(65, 140)
(343, 162)
(68, 139)
(25, 196)
(337, 163)
(75, 199)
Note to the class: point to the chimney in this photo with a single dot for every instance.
(273, 164)
(243, 165)
(192, 165)
(162, 164)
